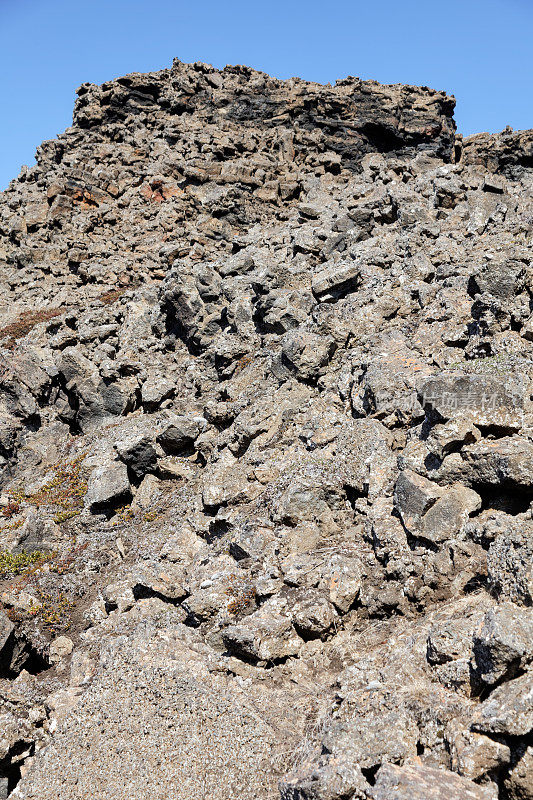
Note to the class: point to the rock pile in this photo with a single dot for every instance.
(266, 447)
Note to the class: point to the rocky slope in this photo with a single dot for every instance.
(266, 447)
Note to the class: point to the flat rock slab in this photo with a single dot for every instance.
(423, 783)
(156, 723)
(484, 399)
(492, 462)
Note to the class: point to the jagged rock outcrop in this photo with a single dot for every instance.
(266, 449)
(508, 152)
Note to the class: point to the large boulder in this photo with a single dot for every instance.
(505, 642)
(508, 710)
(136, 448)
(413, 782)
(505, 463)
(307, 354)
(431, 512)
(485, 400)
(108, 485)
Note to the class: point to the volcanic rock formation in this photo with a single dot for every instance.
(266, 447)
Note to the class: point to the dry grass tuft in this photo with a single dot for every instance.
(25, 323)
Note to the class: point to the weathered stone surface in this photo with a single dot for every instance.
(506, 152)
(179, 434)
(420, 783)
(520, 782)
(307, 354)
(59, 648)
(509, 709)
(475, 756)
(426, 120)
(313, 615)
(484, 400)
(267, 635)
(323, 781)
(175, 706)
(452, 640)
(503, 279)
(429, 511)
(365, 456)
(335, 280)
(154, 391)
(504, 643)
(6, 629)
(448, 515)
(414, 495)
(510, 563)
(506, 461)
(108, 484)
(136, 447)
(369, 713)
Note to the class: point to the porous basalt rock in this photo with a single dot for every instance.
(266, 452)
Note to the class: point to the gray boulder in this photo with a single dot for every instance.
(108, 485)
(413, 782)
(508, 710)
(180, 433)
(504, 643)
(510, 563)
(519, 784)
(136, 448)
(482, 399)
(307, 354)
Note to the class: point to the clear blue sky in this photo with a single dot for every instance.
(479, 50)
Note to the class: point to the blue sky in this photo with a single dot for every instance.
(479, 50)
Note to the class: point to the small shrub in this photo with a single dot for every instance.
(18, 523)
(123, 514)
(62, 565)
(12, 564)
(112, 295)
(52, 607)
(242, 363)
(11, 509)
(53, 610)
(64, 493)
(108, 298)
(500, 363)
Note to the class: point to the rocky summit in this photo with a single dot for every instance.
(266, 447)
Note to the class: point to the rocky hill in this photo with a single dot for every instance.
(266, 447)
